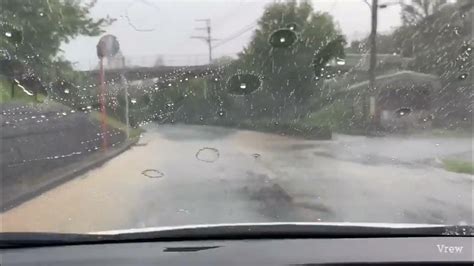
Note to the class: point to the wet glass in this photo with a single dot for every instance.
(120, 114)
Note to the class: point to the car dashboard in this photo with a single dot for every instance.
(301, 251)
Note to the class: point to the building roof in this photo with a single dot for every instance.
(401, 76)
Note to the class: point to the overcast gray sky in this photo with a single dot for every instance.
(148, 28)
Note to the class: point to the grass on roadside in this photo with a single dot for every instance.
(460, 133)
(19, 94)
(458, 166)
(134, 132)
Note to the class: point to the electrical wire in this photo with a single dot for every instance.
(237, 34)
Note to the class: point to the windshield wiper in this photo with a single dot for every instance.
(232, 232)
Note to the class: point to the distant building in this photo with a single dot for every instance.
(402, 100)
(395, 89)
(115, 62)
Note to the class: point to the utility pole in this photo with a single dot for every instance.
(373, 64)
(208, 38)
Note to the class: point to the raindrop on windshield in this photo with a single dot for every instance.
(221, 113)
(404, 111)
(456, 30)
(463, 76)
(208, 155)
(152, 173)
(340, 61)
(293, 26)
(282, 38)
(241, 84)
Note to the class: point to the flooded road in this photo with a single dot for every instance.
(179, 175)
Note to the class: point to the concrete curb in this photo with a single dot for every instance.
(60, 176)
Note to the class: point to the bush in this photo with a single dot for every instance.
(286, 128)
(339, 116)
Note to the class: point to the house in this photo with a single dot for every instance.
(402, 100)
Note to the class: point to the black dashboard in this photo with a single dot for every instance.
(393, 250)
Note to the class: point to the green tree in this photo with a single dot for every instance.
(289, 73)
(44, 26)
(416, 10)
(441, 44)
(402, 40)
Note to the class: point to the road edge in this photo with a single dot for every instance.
(63, 175)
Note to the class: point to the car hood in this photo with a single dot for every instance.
(203, 226)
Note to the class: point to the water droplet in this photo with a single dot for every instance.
(244, 83)
(152, 173)
(183, 211)
(292, 26)
(403, 111)
(340, 61)
(208, 155)
(282, 38)
(456, 30)
(463, 76)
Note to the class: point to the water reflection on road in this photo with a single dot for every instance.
(256, 177)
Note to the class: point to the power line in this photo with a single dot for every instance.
(236, 34)
(208, 38)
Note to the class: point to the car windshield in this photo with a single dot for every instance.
(129, 114)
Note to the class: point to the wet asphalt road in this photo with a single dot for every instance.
(179, 175)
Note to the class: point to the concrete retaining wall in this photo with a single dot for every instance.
(38, 141)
